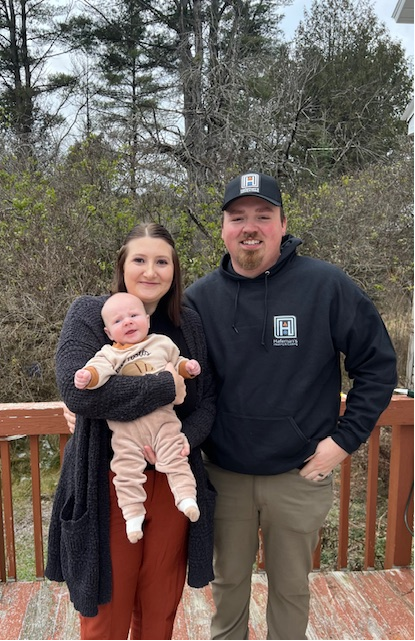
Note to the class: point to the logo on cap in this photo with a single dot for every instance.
(249, 182)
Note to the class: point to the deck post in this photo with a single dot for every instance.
(400, 498)
(8, 507)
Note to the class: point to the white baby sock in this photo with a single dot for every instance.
(134, 528)
(189, 507)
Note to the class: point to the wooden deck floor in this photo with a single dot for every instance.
(344, 605)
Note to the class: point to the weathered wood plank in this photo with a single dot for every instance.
(362, 605)
(36, 610)
(344, 605)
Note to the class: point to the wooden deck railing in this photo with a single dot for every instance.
(29, 420)
(32, 420)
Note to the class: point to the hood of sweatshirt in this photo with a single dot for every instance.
(288, 250)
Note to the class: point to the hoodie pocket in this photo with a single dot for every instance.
(255, 445)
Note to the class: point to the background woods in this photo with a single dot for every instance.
(116, 112)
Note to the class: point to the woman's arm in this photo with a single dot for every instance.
(122, 398)
(198, 424)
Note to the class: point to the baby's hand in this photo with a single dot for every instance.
(193, 368)
(82, 378)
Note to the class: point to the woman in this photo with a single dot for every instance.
(121, 588)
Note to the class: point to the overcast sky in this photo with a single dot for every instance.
(383, 8)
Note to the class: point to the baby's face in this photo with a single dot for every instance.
(126, 320)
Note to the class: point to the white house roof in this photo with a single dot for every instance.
(404, 12)
(408, 115)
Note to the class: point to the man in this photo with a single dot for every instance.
(276, 324)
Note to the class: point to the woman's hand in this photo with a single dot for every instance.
(70, 418)
(150, 455)
(186, 447)
(179, 384)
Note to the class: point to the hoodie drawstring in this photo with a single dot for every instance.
(235, 309)
(264, 322)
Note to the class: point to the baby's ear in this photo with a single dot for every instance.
(107, 331)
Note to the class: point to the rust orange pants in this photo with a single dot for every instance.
(147, 577)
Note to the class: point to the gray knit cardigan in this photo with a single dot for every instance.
(78, 547)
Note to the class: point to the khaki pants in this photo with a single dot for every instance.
(290, 511)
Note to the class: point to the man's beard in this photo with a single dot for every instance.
(249, 260)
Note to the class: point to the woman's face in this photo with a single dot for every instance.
(148, 270)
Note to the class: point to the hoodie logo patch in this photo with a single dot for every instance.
(285, 331)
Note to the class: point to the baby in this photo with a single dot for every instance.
(134, 352)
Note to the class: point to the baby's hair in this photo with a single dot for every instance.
(110, 298)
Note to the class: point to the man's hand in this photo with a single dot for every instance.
(179, 384)
(150, 455)
(70, 418)
(327, 455)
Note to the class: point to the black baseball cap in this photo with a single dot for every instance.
(253, 184)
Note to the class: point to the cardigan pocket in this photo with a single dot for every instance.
(79, 558)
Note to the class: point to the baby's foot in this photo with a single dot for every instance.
(133, 537)
(134, 529)
(192, 513)
(190, 509)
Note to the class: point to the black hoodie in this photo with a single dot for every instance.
(275, 342)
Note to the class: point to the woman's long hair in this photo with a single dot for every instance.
(172, 301)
